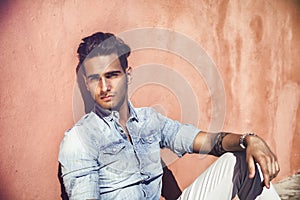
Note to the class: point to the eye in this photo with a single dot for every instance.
(109, 75)
(112, 75)
(93, 78)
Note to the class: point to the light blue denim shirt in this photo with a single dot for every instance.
(99, 162)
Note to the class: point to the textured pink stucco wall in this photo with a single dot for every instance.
(255, 46)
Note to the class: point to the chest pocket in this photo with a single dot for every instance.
(113, 149)
(151, 138)
(112, 156)
(150, 146)
(148, 140)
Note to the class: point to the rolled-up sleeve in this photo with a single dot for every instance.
(176, 136)
(185, 139)
(79, 168)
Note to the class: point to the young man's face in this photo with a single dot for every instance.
(106, 81)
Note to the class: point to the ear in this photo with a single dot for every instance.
(85, 82)
(129, 75)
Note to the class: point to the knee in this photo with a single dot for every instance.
(227, 160)
(236, 159)
(228, 157)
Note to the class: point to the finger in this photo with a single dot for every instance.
(251, 167)
(274, 171)
(271, 167)
(277, 168)
(267, 180)
(265, 171)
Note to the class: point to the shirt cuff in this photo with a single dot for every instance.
(185, 139)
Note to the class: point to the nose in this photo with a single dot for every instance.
(104, 85)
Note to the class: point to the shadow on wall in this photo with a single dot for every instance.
(85, 94)
(63, 194)
(170, 188)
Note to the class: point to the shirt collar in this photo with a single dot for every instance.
(111, 115)
(132, 112)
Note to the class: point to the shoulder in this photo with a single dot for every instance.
(89, 119)
(89, 123)
(151, 118)
(83, 135)
(146, 112)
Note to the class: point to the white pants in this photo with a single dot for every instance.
(226, 178)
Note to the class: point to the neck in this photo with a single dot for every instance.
(124, 113)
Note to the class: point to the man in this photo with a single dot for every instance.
(113, 152)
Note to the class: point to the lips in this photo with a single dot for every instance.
(107, 97)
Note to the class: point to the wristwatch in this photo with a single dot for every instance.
(243, 144)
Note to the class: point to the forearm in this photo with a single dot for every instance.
(257, 151)
(231, 142)
(218, 143)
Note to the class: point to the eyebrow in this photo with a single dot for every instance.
(113, 72)
(92, 75)
(108, 73)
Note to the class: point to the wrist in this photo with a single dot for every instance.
(244, 139)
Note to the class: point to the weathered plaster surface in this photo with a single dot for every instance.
(255, 46)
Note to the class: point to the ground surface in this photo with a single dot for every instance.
(289, 188)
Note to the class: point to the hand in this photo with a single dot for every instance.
(258, 151)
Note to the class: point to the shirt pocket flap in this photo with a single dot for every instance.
(114, 148)
(151, 138)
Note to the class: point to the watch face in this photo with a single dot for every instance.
(242, 141)
(243, 144)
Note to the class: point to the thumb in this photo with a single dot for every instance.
(251, 167)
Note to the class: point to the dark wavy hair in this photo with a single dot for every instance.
(102, 44)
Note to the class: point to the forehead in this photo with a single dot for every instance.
(102, 64)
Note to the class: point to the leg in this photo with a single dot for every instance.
(224, 179)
